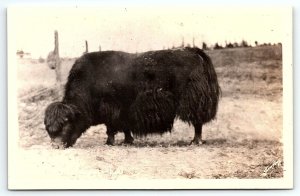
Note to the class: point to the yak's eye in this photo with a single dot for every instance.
(66, 119)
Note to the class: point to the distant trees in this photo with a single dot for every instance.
(244, 44)
(235, 45)
(20, 53)
(229, 45)
(204, 46)
(266, 44)
(217, 46)
(41, 60)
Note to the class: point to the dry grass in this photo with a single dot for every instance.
(253, 71)
(243, 142)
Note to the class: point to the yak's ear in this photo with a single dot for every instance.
(52, 112)
(73, 113)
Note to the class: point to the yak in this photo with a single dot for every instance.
(139, 94)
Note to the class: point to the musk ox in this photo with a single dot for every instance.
(138, 94)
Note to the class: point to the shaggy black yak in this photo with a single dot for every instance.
(135, 93)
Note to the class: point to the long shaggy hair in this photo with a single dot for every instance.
(138, 93)
(199, 99)
(173, 83)
(152, 112)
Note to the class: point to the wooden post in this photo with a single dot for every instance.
(193, 42)
(57, 59)
(100, 48)
(57, 62)
(86, 47)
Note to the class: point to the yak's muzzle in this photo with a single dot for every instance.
(57, 143)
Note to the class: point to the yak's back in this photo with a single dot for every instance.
(167, 69)
(98, 64)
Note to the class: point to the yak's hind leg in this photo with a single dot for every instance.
(198, 134)
(110, 136)
(128, 137)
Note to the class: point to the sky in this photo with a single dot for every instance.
(138, 29)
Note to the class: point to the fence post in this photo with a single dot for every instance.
(57, 60)
(86, 47)
(194, 42)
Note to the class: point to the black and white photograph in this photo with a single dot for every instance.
(150, 97)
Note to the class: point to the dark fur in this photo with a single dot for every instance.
(140, 93)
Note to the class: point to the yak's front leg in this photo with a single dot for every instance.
(110, 136)
(198, 135)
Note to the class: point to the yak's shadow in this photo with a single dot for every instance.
(166, 143)
(218, 143)
(179, 143)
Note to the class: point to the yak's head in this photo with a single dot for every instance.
(60, 120)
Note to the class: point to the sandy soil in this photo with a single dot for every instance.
(243, 142)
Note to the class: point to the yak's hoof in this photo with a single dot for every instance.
(127, 142)
(110, 143)
(197, 142)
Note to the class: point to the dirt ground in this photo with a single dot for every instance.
(243, 142)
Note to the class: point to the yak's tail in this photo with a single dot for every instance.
(199, 102)
(209, 68)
